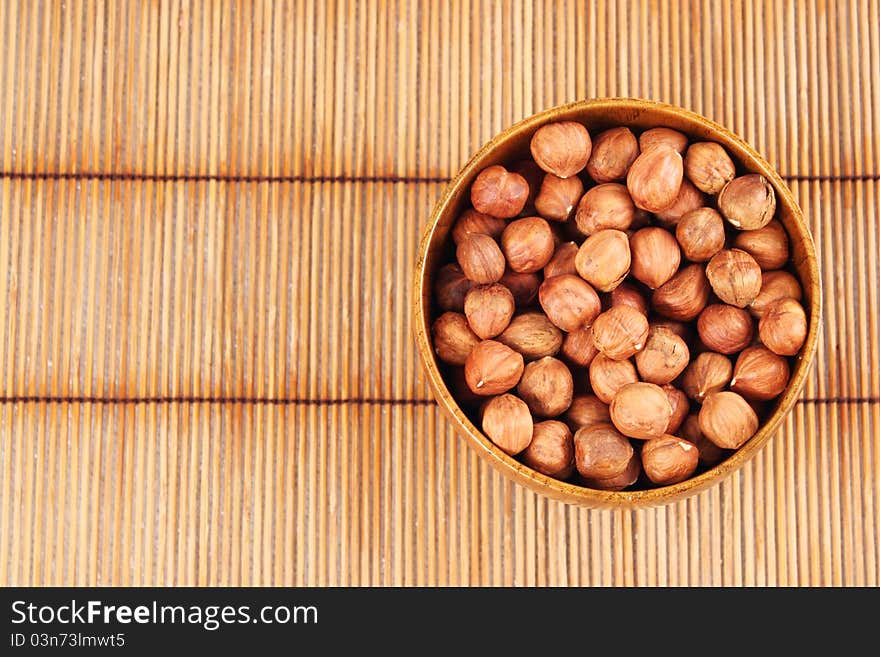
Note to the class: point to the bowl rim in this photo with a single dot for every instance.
(573, 493)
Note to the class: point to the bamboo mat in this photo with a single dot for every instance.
(209, 216)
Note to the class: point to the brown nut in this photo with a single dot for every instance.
(601, 451)
(707, 373)
(700, 234)
(669, 459)
(533, 175)
(508, 423)
(603, 259)
(472, 221)
(759, 374)
(608, 205)
(654, 179)
(768, 245)
(727, 419)
(681, 329)
(641, 410)
(747, 202)
(528, 244)
(620, 332)
(558, 197)
(664, 357)
(569, 301)
(488, 309)
(735, 277)
(532, 335)
(783, 328)
(655, 256)
(522, 285)
(546, 387)
(453, 338)
(481, 258)
(614, 150)
(451, 286)
(680, 407)
(663, 136)
(708, 166)
(586, 410)
(578, 348)
(710, 453)
(684, 296)
(608, 376)
(551, 451)
(629, 294)
(621, 481)
(499, 192)
(561, 148)
(725, 329)
(562, 261)
(689, 198)
(775, 285)
(492, 368)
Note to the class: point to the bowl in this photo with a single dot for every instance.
(513, 144)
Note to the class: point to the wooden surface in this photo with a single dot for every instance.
(209, 214)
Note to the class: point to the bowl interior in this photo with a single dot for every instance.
(512, 145)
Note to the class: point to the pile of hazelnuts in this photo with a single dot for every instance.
(620, 312)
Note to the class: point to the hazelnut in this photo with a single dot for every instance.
(508, 423)
(488, 309)
(654, 179)
(562, 261)
(759, 374)
(585, 411)
(480, 258)
(472, 221)
(727, 419)
(783, 328)
(569, 301)
(546, 387)
(532, 335)
(629, 294)
(499, 192)
(551, 451)
(641, 410)
(608, 205)
(578, 347)
(680, 407)
(655, 256)
(734, 276)
(528, 244)
(767, 245)
(668, 459)
(775, 285)
(621, 481)
(700, 234)
(614, 150)
(534, 176)
(725, 329)
(689, 198)
(708, 166)
(681, 329)
(601, 451)
(620, 332)
(453, 338)
(558, 197)
(684, 296)
(522, 285)
(451, 286)
(710, 453)
(664, 357)
(747, 202)
(707, 373)
(561, 148)
(492, 368)
(663, 136)
(608, 376)
(603, 259)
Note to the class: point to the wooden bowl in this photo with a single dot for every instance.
(513, 144)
